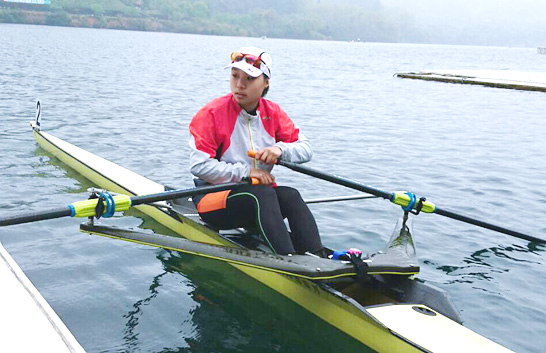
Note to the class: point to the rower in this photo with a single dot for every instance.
(223, 131)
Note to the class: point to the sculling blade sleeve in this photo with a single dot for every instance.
(403, 199)
(86, 208)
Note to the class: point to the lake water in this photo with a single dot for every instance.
(129, 96)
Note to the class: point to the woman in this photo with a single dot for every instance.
(221, 134)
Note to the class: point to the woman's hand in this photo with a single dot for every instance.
(264, 177)
(269, 155)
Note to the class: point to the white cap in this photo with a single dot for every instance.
(251, 70)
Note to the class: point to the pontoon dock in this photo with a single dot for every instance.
(530, 81)
(27, 321)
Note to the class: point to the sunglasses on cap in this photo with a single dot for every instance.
(253, 60)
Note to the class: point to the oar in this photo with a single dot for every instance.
(402, 199)
(116, 203)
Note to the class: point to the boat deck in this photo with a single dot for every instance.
(529, 81)
(27, 322)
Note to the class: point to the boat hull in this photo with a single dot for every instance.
(365, 324)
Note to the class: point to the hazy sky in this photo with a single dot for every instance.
(499, 22)
(476, 9)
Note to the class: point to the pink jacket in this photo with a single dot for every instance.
(222, 133)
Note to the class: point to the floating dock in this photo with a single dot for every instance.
(529, 81)
(27, 321)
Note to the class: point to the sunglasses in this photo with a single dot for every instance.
(253, 60)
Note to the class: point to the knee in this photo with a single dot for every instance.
(289, 194)
(263, 192)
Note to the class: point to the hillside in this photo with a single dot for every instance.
(304, 19)
(488, 22)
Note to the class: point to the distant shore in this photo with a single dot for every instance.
(110, 22)
(298, 19)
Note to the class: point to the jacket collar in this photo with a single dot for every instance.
(242, 112)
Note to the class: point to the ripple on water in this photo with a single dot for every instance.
(128, 96)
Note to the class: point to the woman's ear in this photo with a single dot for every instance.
(266, 89)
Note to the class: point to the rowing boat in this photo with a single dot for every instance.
(384, 311)
(384, 308)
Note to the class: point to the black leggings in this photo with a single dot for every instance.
(264, 208)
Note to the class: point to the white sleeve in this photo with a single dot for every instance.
(214, 171)
(297, 152)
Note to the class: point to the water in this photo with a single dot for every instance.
(129, 96)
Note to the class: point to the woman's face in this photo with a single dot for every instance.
(246, 89)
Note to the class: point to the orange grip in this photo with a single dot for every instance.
(252, 154)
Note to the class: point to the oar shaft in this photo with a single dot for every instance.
(337, 180)
(35, 216)
(486, 225)
(176, 194)
(87, 208)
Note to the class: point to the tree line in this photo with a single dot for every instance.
(346, 20)
(366, 20)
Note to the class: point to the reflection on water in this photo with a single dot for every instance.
(130, 337)
(505, 252)
(482, 265)
(234, 313)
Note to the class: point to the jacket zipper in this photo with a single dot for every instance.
(251, 143)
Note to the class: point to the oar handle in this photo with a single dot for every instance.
(252, 154)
